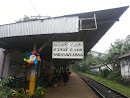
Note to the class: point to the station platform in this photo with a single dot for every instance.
(75, 88)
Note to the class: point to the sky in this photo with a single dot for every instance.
(12, 10)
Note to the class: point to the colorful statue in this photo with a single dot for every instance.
(32, 58)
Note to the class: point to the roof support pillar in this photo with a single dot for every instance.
(3, 65)
(32, 77)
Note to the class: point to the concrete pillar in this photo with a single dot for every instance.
(6, 65)
(32, 81)
(1, 60)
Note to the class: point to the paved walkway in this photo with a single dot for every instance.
(75, 88)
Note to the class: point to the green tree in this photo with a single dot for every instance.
(26, 19)
(91, 59)
(117, 49)
(4, 89)
(127, 45)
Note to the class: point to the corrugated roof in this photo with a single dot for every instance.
(97, 66)
(47, 26)
(105, 19)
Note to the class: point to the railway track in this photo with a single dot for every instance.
(103, 90)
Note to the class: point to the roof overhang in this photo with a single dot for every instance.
(105, 19)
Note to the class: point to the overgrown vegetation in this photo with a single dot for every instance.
(93, 58)
(39, 92)
(21, 94)
(105, 73)
(4, 89)
(113, 84)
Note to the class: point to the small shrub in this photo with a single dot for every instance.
(40, 92)
(4, 89)
(104, 73)
(115, 75)
(125, 82)
(21, 94)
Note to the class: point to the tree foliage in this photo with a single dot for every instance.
(4, 89)
(91, 59)
(39, 93)
(26, 19)
(117, 49)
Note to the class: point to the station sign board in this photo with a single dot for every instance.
(68, 50)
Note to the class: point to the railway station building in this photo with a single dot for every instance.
(18, 38)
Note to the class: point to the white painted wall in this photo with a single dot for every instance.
(125, 71)
(125, 67)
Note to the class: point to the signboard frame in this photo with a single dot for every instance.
(68, 50)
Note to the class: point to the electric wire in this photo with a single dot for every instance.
(33, 7)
